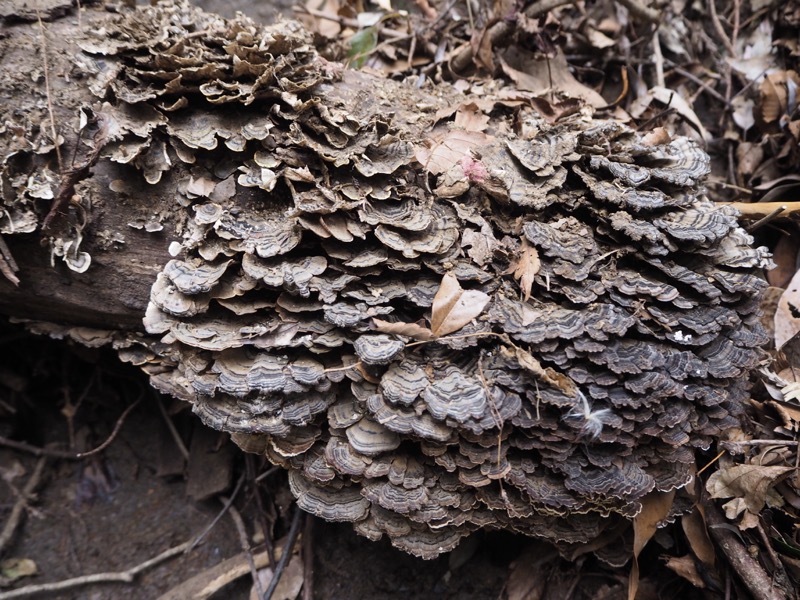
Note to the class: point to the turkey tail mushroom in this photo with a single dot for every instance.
(551, 409)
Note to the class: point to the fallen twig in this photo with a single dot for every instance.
(209, 582)
(19, 506)
(227, 504)
(113, 577)
(245, 543)
(308, 558)
(174, 432)
(749, 571)
(8, 266)
(114, 432)
(763, 209)
(640, 11)
(287, 553)
(67, 454)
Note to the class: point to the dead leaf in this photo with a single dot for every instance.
(527, 579)
(412, 330)
(446, 149)
(787, 316)
(202, 186)
(480, 245)
(750, 482)
(525, 267)
(12, 569)
(453, 307)
(527, 361)
(540, 75)
(288, 587)
(470, 117)
(674, 100)
(655, 508)
(686, 568)
(694, 526)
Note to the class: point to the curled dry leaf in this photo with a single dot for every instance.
(656, 507)
(752, 483)
(525, 267)
(412, 330)
(453, 307)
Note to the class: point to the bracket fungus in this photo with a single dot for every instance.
(529, 327)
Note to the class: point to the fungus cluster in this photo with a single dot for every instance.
(438, 312)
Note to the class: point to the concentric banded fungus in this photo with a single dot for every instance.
(599, 321)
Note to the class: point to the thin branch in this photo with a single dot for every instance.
(111, 577)
(287, 553)
(749, 571)
(114, 432)
(225, 507)
(763, 209)
(308, 558)
(726, 41)
(171, 426)
(19, 506)
(67, 454)
(46, 65)
(245, 543)
(640, 11)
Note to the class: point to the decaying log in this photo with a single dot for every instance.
(439, 312)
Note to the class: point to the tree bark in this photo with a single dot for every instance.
(36, 57)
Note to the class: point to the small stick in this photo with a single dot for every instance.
(746, 443)
(262, 514)
(244, 542)
(763, 209)
(8, 266)
(111, 577)
(749, 571)
(114, 432)
(308, 558)
(19, 506)
(55, 453)
(46, 66)
(174, 432)
(712, 8)
(764, 220)
(641, 11)
(228, 503)
(287, 552)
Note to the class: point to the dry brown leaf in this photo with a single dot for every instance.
(481, 245)
(749, 482)
(785, 258)
(787, 316)
(527, 361)
(202, 186)
(525, 267)
(446, 149)
(655, 508)
(672, 99)
(527, 580)
(694, 526)
(539, 75)
(686, 568)
(288, 587)
(412, 330)
(470, 117)
(453, 307)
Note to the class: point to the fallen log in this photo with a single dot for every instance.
(439, 312)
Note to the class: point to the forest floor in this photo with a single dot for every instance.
(724, 73)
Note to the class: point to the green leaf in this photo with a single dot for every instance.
(362, 44)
